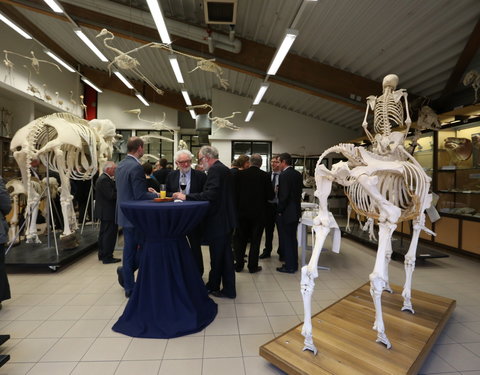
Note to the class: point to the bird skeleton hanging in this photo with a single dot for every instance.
(69, 145)
(386, 184)
(219, 122)
(157, 125)
(124, 61)
(35, 62)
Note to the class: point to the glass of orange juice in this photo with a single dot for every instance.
(163, 191)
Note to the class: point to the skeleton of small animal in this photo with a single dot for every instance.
(47, 97)
(472, 78)
(35, 62)
(71, 146)
(386, 184)
(33, 89)
(57, 98)
(219, 122)
(124, 61)
(157, 125)
(83, 106)
(9, 66)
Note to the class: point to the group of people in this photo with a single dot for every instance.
(244, 202)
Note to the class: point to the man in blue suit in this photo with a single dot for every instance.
(221, 219)
(131, 185)
(193, 182)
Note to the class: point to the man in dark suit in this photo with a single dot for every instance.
(272, 210)
(193, 182)
(253, 190)
(105, 204)
(162, 172)
(131, 185)
(288, 212)
(220, 221)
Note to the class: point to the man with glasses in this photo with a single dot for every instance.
(187, 180)
(221, 219)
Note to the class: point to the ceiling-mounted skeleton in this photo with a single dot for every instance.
(219, 122)
(35, 62)
(123, 60)
(386, 184)
(157, 125)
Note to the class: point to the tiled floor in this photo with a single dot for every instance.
(61, 322)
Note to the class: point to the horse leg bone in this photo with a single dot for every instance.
(388, 257)
(65, 196)
(409, 264)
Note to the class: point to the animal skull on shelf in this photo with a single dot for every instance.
(69, 145)
(386, 184)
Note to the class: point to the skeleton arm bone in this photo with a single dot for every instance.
(370, 103)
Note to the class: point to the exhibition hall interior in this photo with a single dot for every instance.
(251, 187)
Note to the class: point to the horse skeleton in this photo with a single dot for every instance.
(386, 184)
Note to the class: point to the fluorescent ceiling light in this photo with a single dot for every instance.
(193, 114)
(186, 97)
(91, 84)
(54, 5)
(249, 116)
(282, 51)
(60, 61)
(90, 45)
(159, 21)
(14, 27)
(176, 69)
(142, 99)
(123, 79)
(261, 91)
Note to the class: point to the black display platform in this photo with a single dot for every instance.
(399, 244)
(27, 254)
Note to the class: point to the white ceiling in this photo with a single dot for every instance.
(419, 40)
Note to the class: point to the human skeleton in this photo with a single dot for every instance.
(64, 143)
(219, 122)
(386, 184)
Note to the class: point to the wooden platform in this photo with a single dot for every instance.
(346, 343)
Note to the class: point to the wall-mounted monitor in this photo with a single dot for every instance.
(223, 12)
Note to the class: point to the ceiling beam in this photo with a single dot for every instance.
(296, 72)
(464, 60)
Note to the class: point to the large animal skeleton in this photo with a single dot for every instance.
(124, 61)
(386, 184)
(64, 143)
(219, 122)
(472, 78)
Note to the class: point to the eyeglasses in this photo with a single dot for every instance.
(184, 161)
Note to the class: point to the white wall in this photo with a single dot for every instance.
(113, 105)
(289, 131)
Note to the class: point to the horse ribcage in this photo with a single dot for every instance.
(404, 190)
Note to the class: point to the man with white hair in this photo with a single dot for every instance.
(187, 180)
(220, 221)
(105, 203)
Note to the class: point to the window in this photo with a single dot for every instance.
(254, 147)
(158, 147)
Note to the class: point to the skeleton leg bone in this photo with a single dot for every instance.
(409, 263)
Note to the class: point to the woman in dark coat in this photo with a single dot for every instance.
(5, 206)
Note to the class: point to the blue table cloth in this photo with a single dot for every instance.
(169, 298)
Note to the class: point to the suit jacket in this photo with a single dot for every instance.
(197, 181)
(219, 191)
(161, 175)
(290, 186)
(131, 186)
(253, 190)
(105, 198)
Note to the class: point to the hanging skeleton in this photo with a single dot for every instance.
(123, 60)
(33, 89)
(35, 62)
(64, 143)
(386, 184)
(219, 122)
(472, 78)
(157, 125)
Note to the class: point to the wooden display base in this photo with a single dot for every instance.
(346, 343)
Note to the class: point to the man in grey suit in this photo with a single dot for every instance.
(187, 180)
(131, 185)
(105, 204)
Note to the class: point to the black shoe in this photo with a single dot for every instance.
(219, 294)
(258, 269)
(120, 275)
(111, 260)
(283, 269)
(264, 255)
(238, 267)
